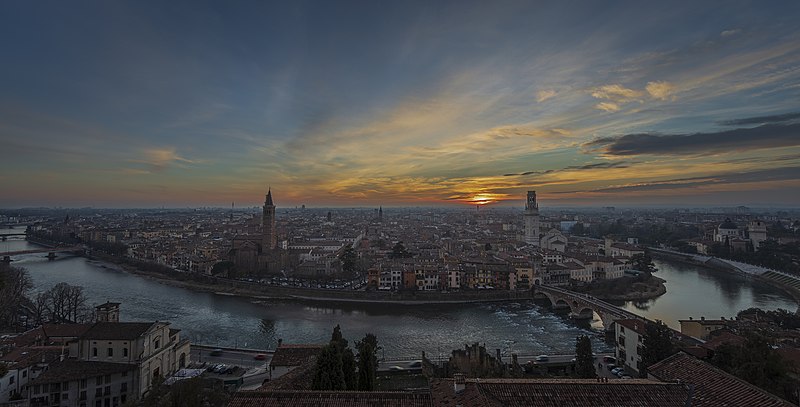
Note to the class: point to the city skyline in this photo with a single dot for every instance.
(132, 104)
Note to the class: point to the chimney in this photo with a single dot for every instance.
(702, 318)
(497, 351)
(280, 341)
(460, 383)
(690, 318)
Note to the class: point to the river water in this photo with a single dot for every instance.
(403, 331)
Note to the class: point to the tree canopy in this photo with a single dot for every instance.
(656, 345)
(584, 361)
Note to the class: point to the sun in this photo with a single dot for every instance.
(483, 199)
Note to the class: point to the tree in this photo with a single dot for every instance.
(757, 363)
(349, 259)
(63, 303)
(584, 361)
(14, 286)
(367, 362)
(656, 345)
(329, 373)
(336, 365)
(642, 262)
(399, 251)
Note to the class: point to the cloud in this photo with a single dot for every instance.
(593, 166)
(615, 93)
(543, 95)
(780, 118)
(730, 33)
(661, 90)
(607, 106)
(767, 175)
(159, 159)
(765, 136)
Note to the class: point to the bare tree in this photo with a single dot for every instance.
(14, 285)
(66, 303)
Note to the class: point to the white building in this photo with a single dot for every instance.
(629, 336)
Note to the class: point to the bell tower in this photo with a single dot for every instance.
(268, 240)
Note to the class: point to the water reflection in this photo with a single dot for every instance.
(696, 291)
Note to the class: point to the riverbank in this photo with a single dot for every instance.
(262, 293)
(628, 288)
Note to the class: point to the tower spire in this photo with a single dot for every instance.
(268, 201)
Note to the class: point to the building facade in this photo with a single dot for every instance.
(531, 219)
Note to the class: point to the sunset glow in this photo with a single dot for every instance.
(441, 103)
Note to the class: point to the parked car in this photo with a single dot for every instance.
(417, 364)
(260, 356)
(542, 358)
(626, 377)
(396, 368)
(216, 352)
(615, 371)
(611, 367)
(609, 359)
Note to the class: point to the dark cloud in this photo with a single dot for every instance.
(594, 166)
(772, 174)
(765, 136)
(780, 118)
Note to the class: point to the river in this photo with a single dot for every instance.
(403, 331)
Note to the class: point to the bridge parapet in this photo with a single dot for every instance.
(581, 304)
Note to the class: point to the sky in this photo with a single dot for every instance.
(366, 103)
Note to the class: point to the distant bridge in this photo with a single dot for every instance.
(583, 305)
(51, 252)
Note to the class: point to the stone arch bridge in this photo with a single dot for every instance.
(583, 305)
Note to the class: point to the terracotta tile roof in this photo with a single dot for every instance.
(299, 378)
(117, 330)
(25, 356)
(294, 355)
(68, 370)
(65, 330)
(330, 399)
(559, 392)
(712, 386)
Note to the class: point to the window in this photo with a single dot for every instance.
(64, 396)
(110, 352)
(123, 387)
(108, 378)
(125, 352)
(24, 374)
(82, 396)
(98, 392)
(83, 383)
(122, 398)
(11, 380)
(36, 389)
(94, 352)
(98, 380)
(107, 403)
(157, 343)
(124, 374)
(98, 403)
(107, 391)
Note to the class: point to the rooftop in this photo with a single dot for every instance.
(301, 398)
(712, 386)
(117, 330)
(558, 392)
